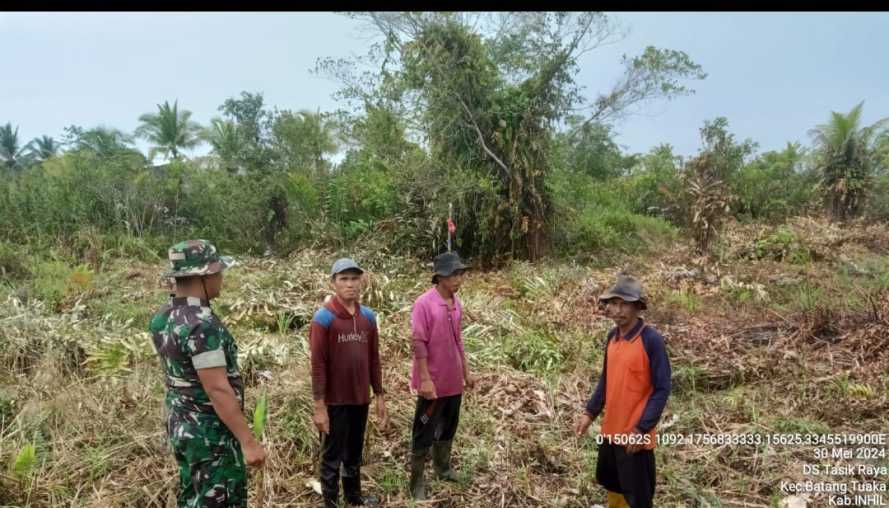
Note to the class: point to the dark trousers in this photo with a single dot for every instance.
(442, 416)
(344, 445)
(630, 474)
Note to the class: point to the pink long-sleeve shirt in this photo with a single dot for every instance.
(436, 336)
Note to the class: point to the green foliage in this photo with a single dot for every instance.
(43, 148)
(253, 130)
(590, 149)
(847, 157)
(260, 413)
(105, 144)
(782, 245)
(359, 194)
(227, 141)
(802, 426)
(303, 140)
(743, 292)
(293, 422)
(169, 130)
(105, 208)
(846, 388)
(533, 352)
(685, 299)
(487, 93)
(24, 462)
(54, 281)
(615, 230)
(774, 186)
(653, 185)
(98, 461)
(476, 111)
(685, 379)
(392, 481)
(707, 179)
(7, 407)
(80, 188)
(878, 202)
(12, 154)
(597, 219)
(115, 356)
(809, 298)
(14, 262)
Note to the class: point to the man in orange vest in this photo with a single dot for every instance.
(632, 390)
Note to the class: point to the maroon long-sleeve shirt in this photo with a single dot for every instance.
(345, 355)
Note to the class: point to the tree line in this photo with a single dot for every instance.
(479, 110)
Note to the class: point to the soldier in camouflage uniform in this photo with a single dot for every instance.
(205, 392)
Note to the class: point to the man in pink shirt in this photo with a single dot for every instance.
(439, 372)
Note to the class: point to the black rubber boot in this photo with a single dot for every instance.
(330, 492)
(441, 458)
(352, 491)
(418, 483)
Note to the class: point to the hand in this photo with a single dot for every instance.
(582, 424)
(254, 453)
(469, 381)
(637, 442)
(427, 390)
(321, 420)
(382, 413)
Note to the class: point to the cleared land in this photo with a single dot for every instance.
(787, 331)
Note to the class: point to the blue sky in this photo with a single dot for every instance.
(773, 75)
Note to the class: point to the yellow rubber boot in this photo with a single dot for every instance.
(616, 500)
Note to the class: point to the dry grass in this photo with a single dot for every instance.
(84, 386)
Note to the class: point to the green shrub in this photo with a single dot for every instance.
(54, 281)
(774, 186)
(653, 186)
(877, 206)
(655, 192)
(13, 262)
(24, 462)
(359, 194)
(619, 230)
(597, 218)
(7, 407)
(782, 245)
(113, 357)
(533, 352)
(685, 299)
(809, 298)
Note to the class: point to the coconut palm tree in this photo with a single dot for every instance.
(11, 153)
(846, 159)
(169, 130)
(305, 138)
(227, 141)
(43, 148)
(104, 142)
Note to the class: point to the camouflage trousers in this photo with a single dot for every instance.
(212, 472)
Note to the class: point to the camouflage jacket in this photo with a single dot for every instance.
(187, 336)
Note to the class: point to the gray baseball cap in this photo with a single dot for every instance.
(628, 289)
(343, 264)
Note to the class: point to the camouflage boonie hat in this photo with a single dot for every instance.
(196, 257)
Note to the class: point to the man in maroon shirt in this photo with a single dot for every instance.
(345, 364)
